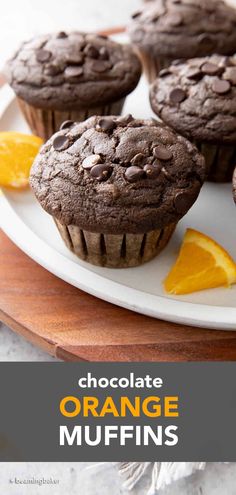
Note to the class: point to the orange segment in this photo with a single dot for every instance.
(201, 264)
(17, 153)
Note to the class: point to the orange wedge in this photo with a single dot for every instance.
(201, 264)
(17, 153)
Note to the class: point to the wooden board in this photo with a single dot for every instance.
(73, 325)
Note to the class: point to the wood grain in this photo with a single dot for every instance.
(74, 326)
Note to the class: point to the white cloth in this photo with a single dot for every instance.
(162, 473)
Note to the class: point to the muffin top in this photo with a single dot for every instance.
(198, 98)
(117, 175)
(185, 28)
(66, 71)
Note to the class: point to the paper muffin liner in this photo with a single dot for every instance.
(114, 251)
(44, 123)
(220, 160)
(153, 65)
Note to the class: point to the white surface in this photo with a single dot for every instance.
(13, 347)
(139, 289)
(82, 478)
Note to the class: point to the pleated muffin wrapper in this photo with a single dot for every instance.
(153, 65)
(44, 123)
(220, 160)
(113, 250)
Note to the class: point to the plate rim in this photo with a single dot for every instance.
(172, 310)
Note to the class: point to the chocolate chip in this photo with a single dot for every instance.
(154, 18)
(225, 61)
(91, 51)
(90, 161)
(157, 163)
(101, 172)
(52, 70)
(175, 20)
(177, 95)
(75, 59)
(43, 55)
(103, 53)
(62, 35)
(72, 72)
(125, 119)
(135, 15)
(211, 69)
(101, 66)
(230, 75)
(66, 124)
(221, 86)
(133, 174)
(138, 159)
(164, 72)
(152, 171)
(194, 73)
(60, 143)
(106, 125)
(183, 200)
(162, 153)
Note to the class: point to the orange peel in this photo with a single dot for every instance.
(17, 153)
(202, 264)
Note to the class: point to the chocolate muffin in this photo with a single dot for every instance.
(116, 187)
(198, 99)
(164, 30)
(70, 76)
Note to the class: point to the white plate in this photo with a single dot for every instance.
(139, 289)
